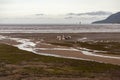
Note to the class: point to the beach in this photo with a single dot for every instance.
(40, 43)
(59, 40)
(59, 56)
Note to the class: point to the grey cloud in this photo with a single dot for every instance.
(40, 14)
(68, 17)
(98, 13)
(71, 14)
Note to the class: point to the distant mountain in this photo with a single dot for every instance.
(114, 18)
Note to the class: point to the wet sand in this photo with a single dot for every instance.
(78, 55)
(42, 39)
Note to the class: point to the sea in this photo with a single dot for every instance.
(58, 28)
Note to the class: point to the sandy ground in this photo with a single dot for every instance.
(43, 47)
(80, 55)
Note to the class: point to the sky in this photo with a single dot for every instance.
(56, 11)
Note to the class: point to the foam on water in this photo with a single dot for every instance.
(59, 28)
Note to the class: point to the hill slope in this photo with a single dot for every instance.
(114, 18)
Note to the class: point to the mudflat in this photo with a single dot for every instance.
(46, 44)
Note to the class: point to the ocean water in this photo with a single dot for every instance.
(59, 28)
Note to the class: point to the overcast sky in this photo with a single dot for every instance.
(56, 11)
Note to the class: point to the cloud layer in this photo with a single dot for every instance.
(98, 13)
